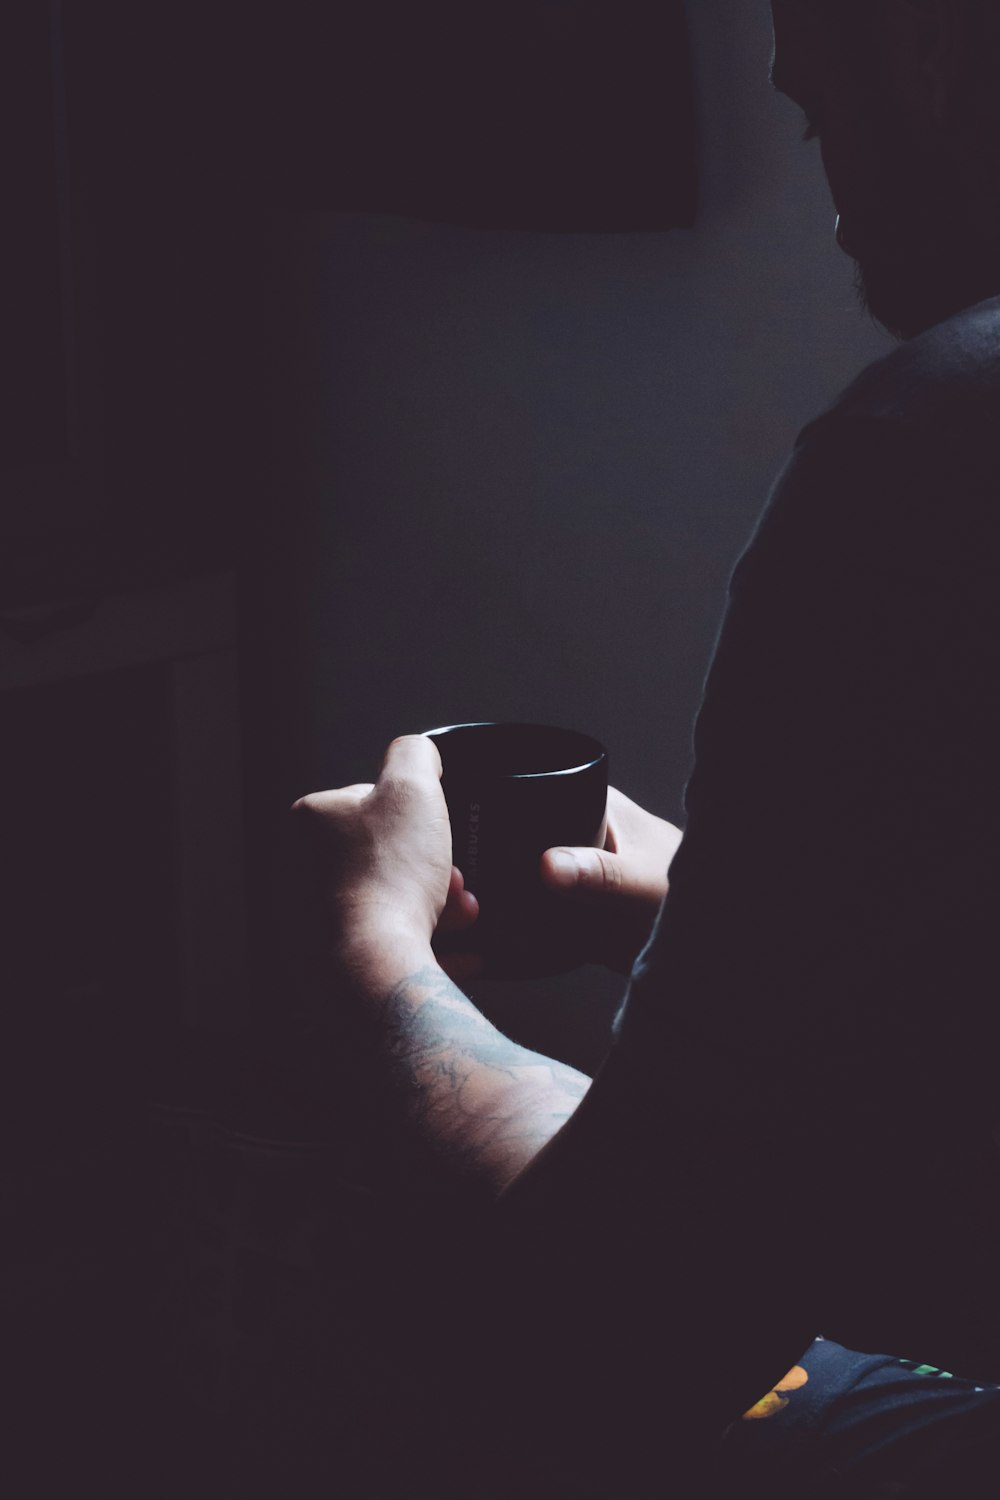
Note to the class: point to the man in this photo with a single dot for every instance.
(791, 1136)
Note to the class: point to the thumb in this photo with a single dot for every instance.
(596, 871)
(412, 757)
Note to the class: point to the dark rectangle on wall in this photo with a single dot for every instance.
(178, 133)
(572, 115)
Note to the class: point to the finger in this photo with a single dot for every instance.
(320, 802)
(412, 756)
(617, 803)
(593, 870)
(623, 813)
(461, 907)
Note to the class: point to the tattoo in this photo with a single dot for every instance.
(484, 1102)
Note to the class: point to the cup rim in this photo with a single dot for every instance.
(577, 734)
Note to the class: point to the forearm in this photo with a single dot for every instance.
(471, 1097)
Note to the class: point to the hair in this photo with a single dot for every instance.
(857, 20)
(860, 16)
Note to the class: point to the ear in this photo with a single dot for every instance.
(926, 49)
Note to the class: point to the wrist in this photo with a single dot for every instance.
(382, 950)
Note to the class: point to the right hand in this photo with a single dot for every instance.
(615, 892)
(619, 889)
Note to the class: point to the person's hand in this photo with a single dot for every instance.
(619, 889)
(613, 894)
(383, 852)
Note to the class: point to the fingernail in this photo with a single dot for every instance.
(564, 866)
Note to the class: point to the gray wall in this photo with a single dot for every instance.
(522, 466)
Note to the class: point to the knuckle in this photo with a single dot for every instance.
(395, 791)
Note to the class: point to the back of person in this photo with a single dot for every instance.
(832, 905)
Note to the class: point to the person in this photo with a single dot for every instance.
(790, 1151)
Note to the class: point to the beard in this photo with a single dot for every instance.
(909, 295)
(892, 296)
(924, 251)
(921, 222)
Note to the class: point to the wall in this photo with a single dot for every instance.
(521, 466)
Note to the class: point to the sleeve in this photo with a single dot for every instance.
(821, 980)
(842, 817)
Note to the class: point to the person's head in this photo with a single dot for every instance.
(904, 96)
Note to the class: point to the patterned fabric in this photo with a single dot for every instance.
(868, 1426)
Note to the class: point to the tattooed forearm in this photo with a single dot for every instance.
(486, 1103)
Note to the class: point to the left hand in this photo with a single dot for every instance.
(383, 851)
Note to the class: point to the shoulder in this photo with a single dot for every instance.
(952, 369)
(902, 471)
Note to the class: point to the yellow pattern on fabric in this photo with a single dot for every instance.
(776, 1400)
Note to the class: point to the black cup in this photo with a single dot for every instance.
(513, 791)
